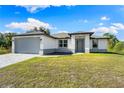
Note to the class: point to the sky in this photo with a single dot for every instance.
(63, 18)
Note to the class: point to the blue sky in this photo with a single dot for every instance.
(100, 19)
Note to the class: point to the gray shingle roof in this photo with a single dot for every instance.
(67, 35)
(99, 37)
(30, 33)
(61, 35)
(34, 33)
(81, 32)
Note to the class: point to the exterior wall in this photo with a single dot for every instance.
(87, 43)
(63, 49)
(102, 45)
(13, 45)
(72, 44)
(49, 44)
(41, 45)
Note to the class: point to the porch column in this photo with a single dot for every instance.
(73, 44)
(87, 43)
(41, 46)
(13, 45)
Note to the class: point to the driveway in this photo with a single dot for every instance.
(8, 59)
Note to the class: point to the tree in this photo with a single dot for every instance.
(112, 41)
(119, 48)
(46, 31)
(6, 39)
(35, 29)
(2, 40)
(32, 30)
(40, 29)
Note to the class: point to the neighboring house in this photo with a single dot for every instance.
(41, 43)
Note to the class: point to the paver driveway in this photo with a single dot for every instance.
(9, 59)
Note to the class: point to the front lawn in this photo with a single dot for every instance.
(84, 70)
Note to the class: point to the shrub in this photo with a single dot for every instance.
(4, 50)
(119, 48)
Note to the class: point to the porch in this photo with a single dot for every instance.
(80, 43)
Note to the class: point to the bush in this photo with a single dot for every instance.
(119, 48)
(4, 50)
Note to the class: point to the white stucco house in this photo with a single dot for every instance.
(41, 43)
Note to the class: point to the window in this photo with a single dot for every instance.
(95, 43)
(63, 43)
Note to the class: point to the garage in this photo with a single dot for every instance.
(27, 45)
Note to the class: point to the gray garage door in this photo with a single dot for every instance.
(30, 45)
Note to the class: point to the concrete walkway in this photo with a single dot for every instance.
(8, 59)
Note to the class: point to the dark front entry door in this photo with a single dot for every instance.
(79, 45)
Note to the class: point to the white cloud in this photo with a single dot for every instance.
(29, 24)
(101, 24)
(113, 28)
(62, 31)
(118, 25)
(36, 8)
(7, 31)
(105, 30)
(105, 18)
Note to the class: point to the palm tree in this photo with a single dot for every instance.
(112, 41)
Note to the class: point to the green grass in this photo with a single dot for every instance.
(84, 70)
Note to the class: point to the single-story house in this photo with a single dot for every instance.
(41, 43)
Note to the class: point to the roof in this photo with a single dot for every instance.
(34, 33)
(30, 33)
(99, 37)
(61, 35)
(80, 32)
(55, 36)
(67, 35)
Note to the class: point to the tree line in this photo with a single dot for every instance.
(6, 40)
(115, 45)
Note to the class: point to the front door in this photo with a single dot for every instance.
(79, 45)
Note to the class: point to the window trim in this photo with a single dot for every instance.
(63, 43)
